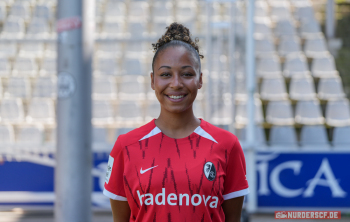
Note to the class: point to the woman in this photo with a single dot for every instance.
(176, 167)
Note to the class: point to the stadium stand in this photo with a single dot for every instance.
(300, 101)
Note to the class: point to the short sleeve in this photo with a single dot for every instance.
(114, 185)
(236, 183)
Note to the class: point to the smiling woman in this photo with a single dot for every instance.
(177, 167)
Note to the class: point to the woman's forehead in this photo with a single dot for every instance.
(176, 56)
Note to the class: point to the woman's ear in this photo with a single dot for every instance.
(200, 81)
(152, 80)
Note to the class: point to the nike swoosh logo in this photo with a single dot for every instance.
(144, 171)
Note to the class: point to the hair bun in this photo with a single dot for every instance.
(179, 32)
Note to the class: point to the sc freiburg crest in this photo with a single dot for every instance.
(209, 171)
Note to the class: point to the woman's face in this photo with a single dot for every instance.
(176, 78)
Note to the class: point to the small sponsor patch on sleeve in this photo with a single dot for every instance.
(109, 168)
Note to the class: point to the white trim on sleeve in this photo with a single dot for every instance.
(113, 196)
(236, 194)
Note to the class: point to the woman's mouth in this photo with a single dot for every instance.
(176, 98)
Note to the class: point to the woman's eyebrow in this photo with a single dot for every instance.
(168, 67)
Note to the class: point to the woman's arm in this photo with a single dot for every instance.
(232, 209)
(120, 210)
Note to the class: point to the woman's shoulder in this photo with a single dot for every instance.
(135, 135)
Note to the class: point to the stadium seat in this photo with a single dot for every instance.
(25, 66)
(30, 50)
(18, 87)
(115, 11)
(29, 137)
(260, 137)
(185, 11)
(315, 47)
(48, 66)
(309, 28)
(269, 66)
(100, 139)
(138, 11)
(261, 9)
(242, 115)
(136, 29)
(133, 66)
(1, 90)
(132, 88)
(302, 88)
(273, 89)
(263, 26)
(129, 113)
(106, 65)
(263, 46)
(159, 27)
(341, 138)
(5, 67)
(7, 135)
(289, 44)
(111, 49)
(323, 67)
(280, 10)
(102, 112)
(43, 10)
(330, 88)
(283, 136)
(295, 65)
(45, 87)
(8, 49)
(122, 130)
(104, 88)
(152, 110)
(3, 12)
(285, 28)
(303, 10)
(279, 113)
(20, 10)
(112, 29)
(13, 28)
(162, 11)
(309, 113)
(51, 49)
(11, 111)
(38, 28)
(240, 88)
(198, 108)
(314, 137)
(222, 112)
(338, 113)
(41, 110)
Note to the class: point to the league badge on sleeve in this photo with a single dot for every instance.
(209, 171)
(109, 168)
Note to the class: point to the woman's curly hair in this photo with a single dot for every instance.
(176, 34)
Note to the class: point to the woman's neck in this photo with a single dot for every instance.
(177, 125)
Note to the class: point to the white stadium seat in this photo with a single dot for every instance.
(273, 89)
(341, 138)
(13, 28)
(152, 110)
(279, 113)
(102, 112)
(338, 113)
(302, 88)
(288, 45)
(25, 66)
(18, 87)
(309, 113)
(314, 137)
(242, 116)
(129, 113)
(104, 88)
(330, 88)
(45, 87)
(11, 111)
(269, 66)
(295, 65)
(41, 110)
(324, 66)
(132, 87)
(5, 67)
(283, 136)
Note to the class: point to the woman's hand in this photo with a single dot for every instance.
(120, 210)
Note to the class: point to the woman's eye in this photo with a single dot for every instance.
(165, 74)
(188, 74)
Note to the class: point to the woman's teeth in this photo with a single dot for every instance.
(176, 97)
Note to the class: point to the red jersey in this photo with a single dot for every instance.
(167, 179)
